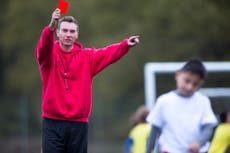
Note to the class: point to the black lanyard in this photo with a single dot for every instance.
(66, 69)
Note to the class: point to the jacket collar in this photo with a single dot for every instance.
(76, 48)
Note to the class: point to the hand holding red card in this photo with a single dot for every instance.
(63, 6)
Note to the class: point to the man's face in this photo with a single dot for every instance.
(188, 83)
(67, 33)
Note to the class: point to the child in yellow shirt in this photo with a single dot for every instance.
(136, 142)
(221, 139)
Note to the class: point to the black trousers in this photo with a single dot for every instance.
(64, 136)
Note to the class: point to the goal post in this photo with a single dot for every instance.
(153, 68)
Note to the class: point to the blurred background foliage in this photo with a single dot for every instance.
(170, 30)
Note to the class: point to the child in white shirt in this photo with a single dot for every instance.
(183, 117)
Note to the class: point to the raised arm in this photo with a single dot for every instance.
(45, 44)
(54, 20)
(112, 53)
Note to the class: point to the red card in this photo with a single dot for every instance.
(63, 6)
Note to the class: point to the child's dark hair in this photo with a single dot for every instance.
(223, 116)
(195, 66)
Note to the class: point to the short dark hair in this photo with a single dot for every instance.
(195, 66)
(223, 116)
(69, 19)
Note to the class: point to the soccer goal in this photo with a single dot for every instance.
(152, 69)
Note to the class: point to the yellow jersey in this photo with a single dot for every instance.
(221, 139)
(139, 134)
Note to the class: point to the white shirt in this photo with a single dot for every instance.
(180, 119)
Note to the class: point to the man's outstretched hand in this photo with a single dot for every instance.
(54, 19)
(133, 41)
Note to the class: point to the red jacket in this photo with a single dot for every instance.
(67, 77)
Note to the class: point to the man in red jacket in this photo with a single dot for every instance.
(67, 70)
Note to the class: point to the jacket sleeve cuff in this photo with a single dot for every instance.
(124, 44)
(48, 30)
